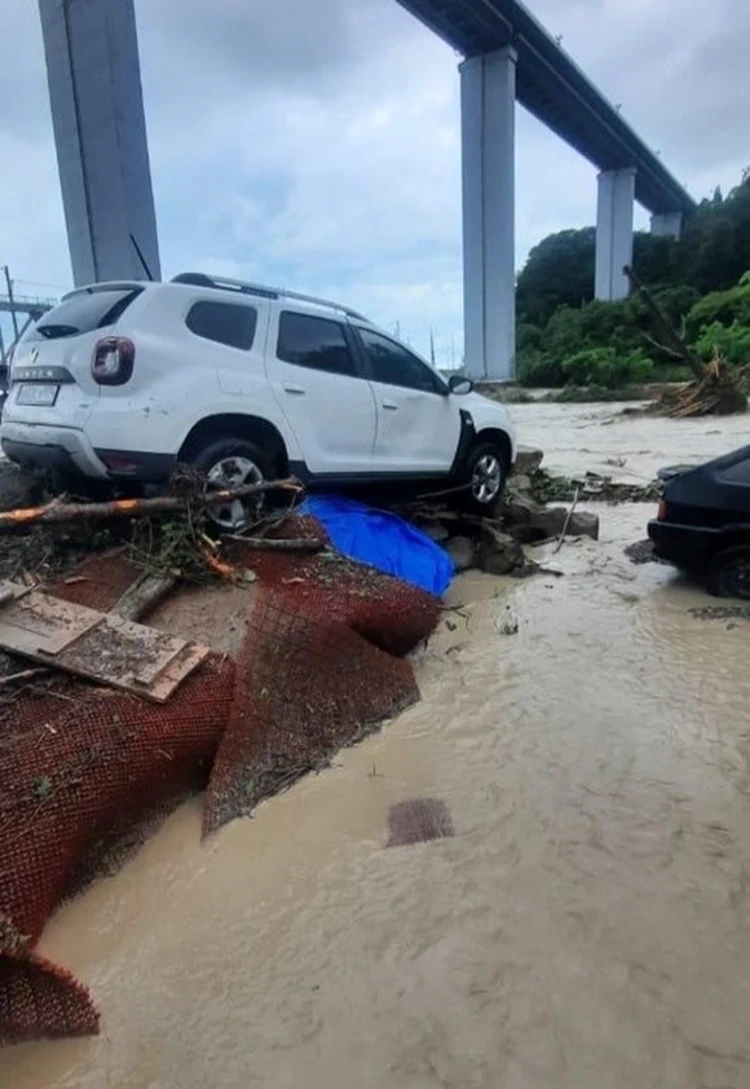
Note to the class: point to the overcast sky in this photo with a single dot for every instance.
(316, 142)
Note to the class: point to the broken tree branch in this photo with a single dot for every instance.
(566, 523)
(58, 511)
(277, 544)
(662, 347)
(24, 675)
(143, 595)
(666, 330)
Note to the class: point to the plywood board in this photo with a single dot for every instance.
(42, 623)
(97, 645)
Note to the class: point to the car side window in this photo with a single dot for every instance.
(396, 366)
(225, 323)
(318, 343)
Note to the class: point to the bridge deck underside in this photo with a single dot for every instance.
(552, 88)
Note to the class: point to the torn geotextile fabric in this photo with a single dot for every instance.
(384, 541)
(85, 772)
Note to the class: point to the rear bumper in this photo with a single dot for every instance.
(69, 451)
(43, 446)
(689, 547)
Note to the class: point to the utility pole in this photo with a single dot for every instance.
(13, 316)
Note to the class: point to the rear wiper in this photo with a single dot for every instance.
(52, 332)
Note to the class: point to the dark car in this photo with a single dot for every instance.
(703, 524)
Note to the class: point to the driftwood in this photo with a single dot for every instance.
(143, 595)
(716, 388)
(716, 393)
(59, 511)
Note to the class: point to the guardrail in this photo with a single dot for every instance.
(30, 304)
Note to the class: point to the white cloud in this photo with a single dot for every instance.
(318, 144)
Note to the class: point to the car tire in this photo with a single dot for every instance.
(231, 462)
(485, 475)
(728, 574)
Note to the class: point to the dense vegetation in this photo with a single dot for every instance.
(702, 282)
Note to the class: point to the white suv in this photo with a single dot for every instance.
(123, 380)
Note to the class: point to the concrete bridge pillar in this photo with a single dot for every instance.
(100, 133)
(667, 225)
(488, 96)
(614, 233)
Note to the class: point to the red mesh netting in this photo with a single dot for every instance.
(78, 768)
(99, 581)
(84, 770)
(317, 671)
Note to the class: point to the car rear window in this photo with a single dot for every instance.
(737, 473)
(83, 313)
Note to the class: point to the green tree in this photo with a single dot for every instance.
(731, 342)
(695, 281)
(558, 272)
(720, 307)
(608, 368)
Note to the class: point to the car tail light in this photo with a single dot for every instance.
(120, 463)
(662, 515)
(113, 361)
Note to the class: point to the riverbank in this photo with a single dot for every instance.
(514, 394)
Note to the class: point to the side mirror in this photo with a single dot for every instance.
(460, 384)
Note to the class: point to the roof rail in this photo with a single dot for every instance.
(223, 283)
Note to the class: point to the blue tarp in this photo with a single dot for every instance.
(383, 541)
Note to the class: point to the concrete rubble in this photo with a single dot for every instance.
(495, 545)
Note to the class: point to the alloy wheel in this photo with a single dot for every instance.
(231, 473)
(487, 479)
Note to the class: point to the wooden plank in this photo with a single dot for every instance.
(99, 646)
(38, 622)
(180, 666)
(12, 591)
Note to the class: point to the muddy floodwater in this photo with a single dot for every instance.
(587, 926)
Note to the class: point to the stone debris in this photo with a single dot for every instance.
(509, 623)
(498, 553)
(552, 521)
(462, 550)
(528, 459)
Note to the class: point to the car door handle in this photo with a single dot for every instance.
(291, 388)
(391, 406)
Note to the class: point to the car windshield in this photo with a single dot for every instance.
(82, 313)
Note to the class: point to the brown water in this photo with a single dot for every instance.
(577, 438)
(587, 927)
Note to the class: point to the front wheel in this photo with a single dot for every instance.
(486, 472)
(728, 573)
